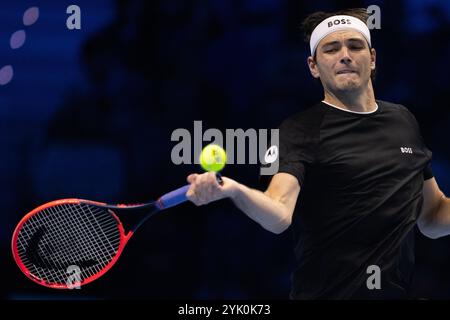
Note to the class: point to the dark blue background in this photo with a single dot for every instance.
(90, 112)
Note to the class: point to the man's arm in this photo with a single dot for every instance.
(434, 220)
(272, 209)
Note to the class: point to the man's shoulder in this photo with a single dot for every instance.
(308, 117)
(391, 106)
(399, 109)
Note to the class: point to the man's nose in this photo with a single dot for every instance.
(345, 56)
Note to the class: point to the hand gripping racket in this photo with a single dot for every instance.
(64, 234)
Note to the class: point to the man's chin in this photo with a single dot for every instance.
(348, 86)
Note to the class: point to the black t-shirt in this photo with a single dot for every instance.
(361, 178)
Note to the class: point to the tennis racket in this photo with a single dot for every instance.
(60, 237)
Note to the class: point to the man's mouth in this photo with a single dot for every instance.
(345, 71)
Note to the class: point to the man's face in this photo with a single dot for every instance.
(343, 61)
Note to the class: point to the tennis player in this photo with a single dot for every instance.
(354, 176)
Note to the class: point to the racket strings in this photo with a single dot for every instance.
(80, 235)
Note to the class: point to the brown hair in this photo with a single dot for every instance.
(313, 20)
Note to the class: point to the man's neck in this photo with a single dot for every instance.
(363, 101)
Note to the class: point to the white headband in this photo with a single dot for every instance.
(336, 23)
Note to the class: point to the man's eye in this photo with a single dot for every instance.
(330, 50)
(356, 47)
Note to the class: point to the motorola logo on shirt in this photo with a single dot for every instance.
(406, 150)
(271, 154)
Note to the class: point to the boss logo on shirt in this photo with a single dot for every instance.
(406, 150)
(337, 22)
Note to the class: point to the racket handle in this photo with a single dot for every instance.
(219, 179)
(178, 196)
(173, 198)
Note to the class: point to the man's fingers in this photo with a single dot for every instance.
(190, 193)
(192, 196)
(204, 188)
(192, 177)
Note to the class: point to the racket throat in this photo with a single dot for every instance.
(132, 218)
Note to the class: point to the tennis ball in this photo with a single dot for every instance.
(213, 158)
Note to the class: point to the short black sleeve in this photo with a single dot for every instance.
(428, 172)
(296, 148)
(298, 137)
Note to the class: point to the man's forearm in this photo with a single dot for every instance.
(271, 214)
(439, 225)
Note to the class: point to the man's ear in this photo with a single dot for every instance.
(373, 59)
(312, 64)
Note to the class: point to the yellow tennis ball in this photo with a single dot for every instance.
(213, 158)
